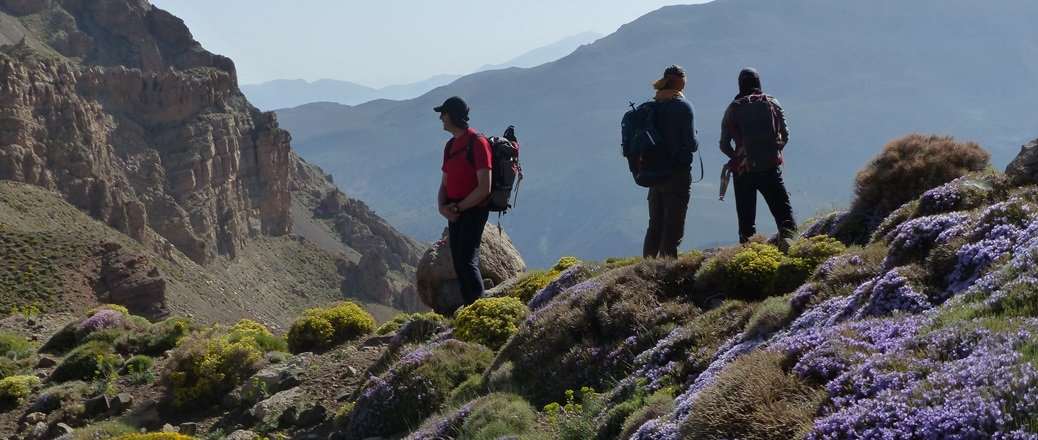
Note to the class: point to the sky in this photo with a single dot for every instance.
(380, 43)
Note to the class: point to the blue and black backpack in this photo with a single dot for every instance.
(641, 144)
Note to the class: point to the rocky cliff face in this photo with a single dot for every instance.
(114, 104)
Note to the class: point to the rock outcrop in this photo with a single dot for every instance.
(437, 282)
(1024, 168)
(131, 280)
(113, 104)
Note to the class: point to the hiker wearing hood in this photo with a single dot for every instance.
(756, 124)
(668, 201)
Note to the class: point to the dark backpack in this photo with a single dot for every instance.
(505, 171)
(647, 158)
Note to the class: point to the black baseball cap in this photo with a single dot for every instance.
(454, 106)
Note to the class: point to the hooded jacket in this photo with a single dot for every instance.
(756, 124)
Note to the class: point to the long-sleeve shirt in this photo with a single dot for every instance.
(757, 125)
(675, 123)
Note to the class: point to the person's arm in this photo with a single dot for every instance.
(479, 194)
(783, 127)
(441, 201)
(688, 133)
(726, 134)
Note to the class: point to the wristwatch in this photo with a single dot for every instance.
(455, 208)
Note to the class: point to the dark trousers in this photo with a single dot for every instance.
(668, 204)
(464, 236)
(769, 183)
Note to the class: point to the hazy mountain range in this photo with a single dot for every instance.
(851, 76)
(284, 93)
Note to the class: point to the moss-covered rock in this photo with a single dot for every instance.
(591, 335)
(415, 387)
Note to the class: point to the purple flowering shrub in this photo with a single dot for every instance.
(1001, 231)
(962, 194)
(912, 240)
(688, 350)
(413, 388)
(961, 382)
(103, 319)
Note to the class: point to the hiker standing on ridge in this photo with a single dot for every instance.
(464, 190)
(757, 124)
(668, 201)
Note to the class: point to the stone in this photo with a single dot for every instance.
(242, 434)
(34, 418)
(1023, 169)
(46, 362)
(188, 428)
(96, 406)
(39, 430)
(275, 378)
(437, 282)
(281, 409)
(169, 428)
(121, 402)
(131, 280)
(61, 429)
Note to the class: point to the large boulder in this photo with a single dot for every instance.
(437, 282)
(1024, 169)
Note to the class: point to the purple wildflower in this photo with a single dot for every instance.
(918, 236)
(567, 279)
(101, 320)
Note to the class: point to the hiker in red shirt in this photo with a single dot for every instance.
(463, 194)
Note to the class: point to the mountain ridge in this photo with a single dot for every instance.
(567, 111)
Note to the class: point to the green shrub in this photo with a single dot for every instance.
(618, 262)
(259, 333)
(154, 339)
(206, 366)
(754, 398)
(532, 282)
(310, 332)
(115, 307)
(816, 250)
(575, 420)
(109, 429)
(470, 389)
(14, 346)
(87, 362)
(498, 415)
(657, 405)
(402, 319)
(633, 398)
(565, 263)
(15, 388)
(139, 368)
(770, 315)
(347, 321)
(489, 321)
(758, 270)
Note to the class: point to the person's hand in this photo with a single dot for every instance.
(447, 211)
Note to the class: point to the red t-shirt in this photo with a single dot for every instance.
(461, 174)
